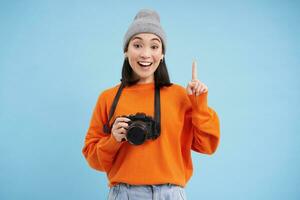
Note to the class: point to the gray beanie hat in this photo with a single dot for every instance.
(145, 21)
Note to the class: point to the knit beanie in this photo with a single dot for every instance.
(145, 21)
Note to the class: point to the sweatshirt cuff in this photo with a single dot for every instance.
(199, 103)
(111, 145)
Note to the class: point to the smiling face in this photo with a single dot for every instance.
(144, 55)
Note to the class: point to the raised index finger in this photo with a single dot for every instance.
(194, 70)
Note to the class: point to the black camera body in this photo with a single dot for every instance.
(141, 127)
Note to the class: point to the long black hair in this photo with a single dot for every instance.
(161, 75)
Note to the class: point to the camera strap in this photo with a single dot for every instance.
(106, 127)
(157, 110)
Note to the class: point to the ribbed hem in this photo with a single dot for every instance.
(199, 102)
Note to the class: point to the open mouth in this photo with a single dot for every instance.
(145, 64)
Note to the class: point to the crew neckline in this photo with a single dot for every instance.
(142, 86)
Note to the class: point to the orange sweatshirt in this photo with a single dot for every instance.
(187, 123)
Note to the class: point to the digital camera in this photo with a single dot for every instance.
(141, 127)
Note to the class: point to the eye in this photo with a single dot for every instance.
(154, 47)
(137, 46)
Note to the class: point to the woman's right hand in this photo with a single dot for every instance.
(119, 128)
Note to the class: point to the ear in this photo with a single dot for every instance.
(125, 55)
(162, 56)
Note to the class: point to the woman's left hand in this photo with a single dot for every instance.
(195, 86)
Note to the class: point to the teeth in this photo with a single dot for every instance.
(145, 63)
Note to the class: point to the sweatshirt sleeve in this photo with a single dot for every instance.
(205, 125)
(100, 148)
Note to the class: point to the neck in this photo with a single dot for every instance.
(146, 80)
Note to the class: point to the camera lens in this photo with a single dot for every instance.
(137, 132)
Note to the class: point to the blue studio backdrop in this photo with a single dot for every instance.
(57, 56)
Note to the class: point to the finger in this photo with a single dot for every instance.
(124, 139)
(205, 89)
(117, 125)
(121, 119)
(119, 137)
(121, 125)
(121, 131)
(199, 89)
(194, 70)
(194, 83)
(190, 87)
(189, 90)
(197, 85)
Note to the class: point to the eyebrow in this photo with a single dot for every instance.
(136, 37)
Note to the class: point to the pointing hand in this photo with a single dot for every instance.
(195, 86)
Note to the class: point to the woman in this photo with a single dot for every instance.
(157, 165)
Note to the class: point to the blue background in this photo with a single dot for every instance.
(57, 56)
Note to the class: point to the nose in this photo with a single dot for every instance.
(145, 53)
